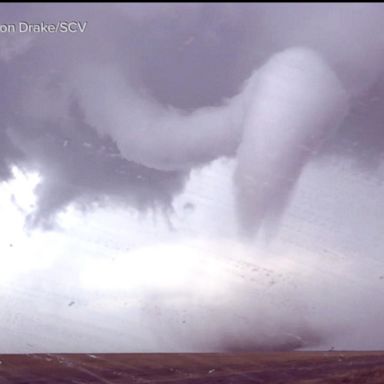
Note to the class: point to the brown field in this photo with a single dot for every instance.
(285, 367)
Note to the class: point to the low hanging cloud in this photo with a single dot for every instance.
(272, 127)
(127, 96)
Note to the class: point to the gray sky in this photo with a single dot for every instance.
(192, 177)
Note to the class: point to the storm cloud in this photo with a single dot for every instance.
(277, 100)
(147, 93)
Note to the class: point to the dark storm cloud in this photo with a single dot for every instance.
(124, 111)
(149, 91)
(43, 128)
(77, 165)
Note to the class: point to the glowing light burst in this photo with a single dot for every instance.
(17, 199)
(168, 267)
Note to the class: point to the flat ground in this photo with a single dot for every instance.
(284, 368)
